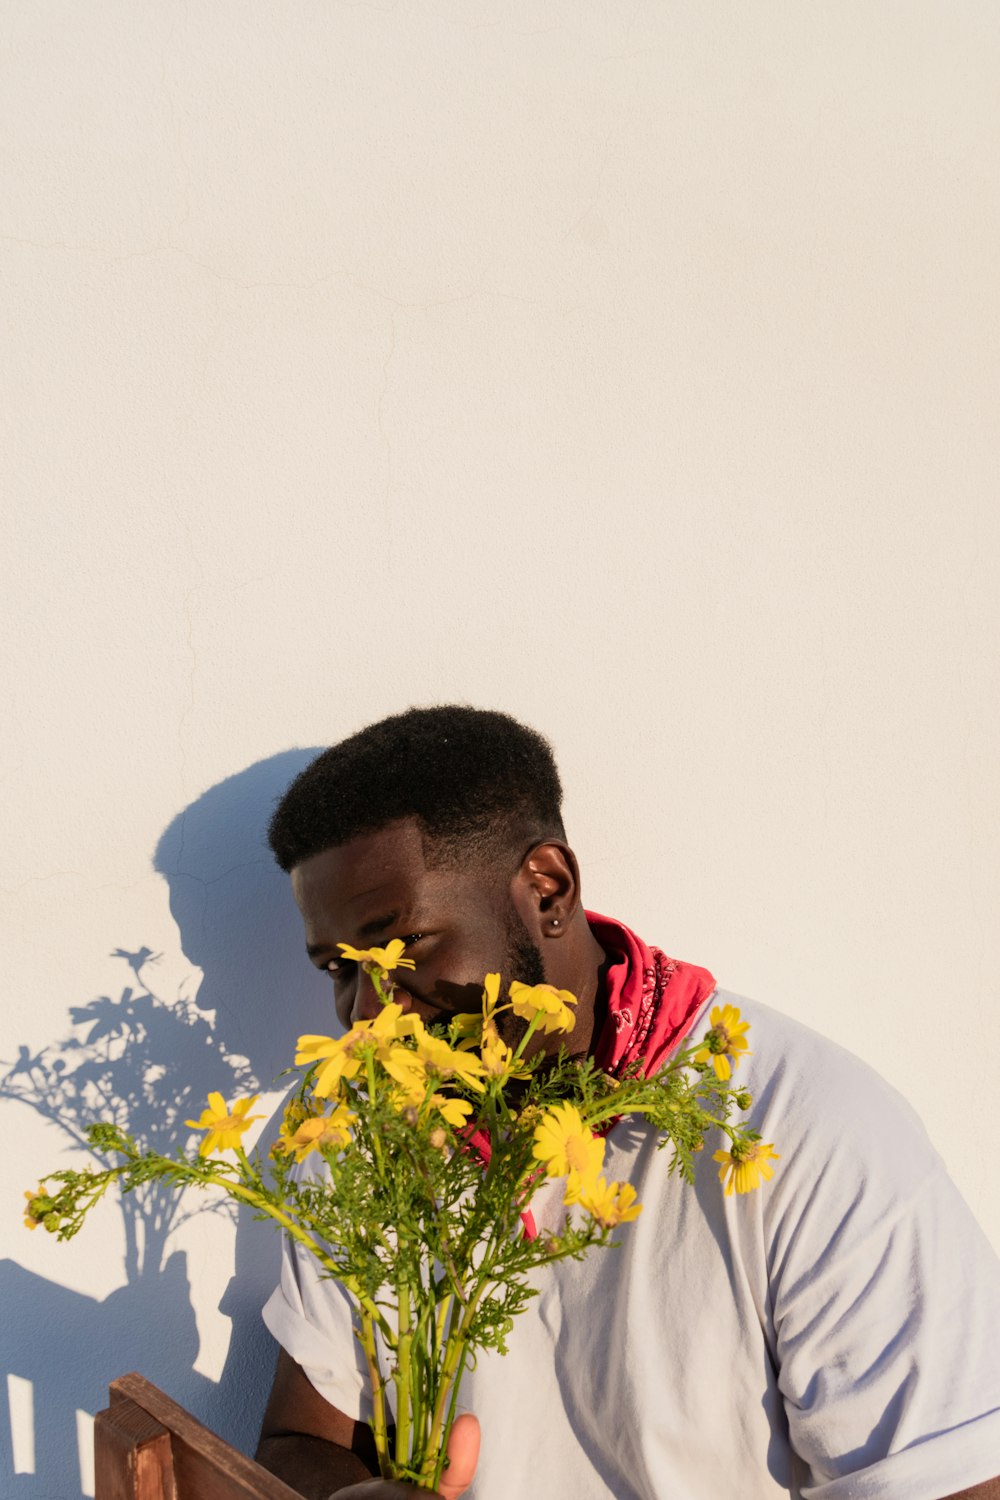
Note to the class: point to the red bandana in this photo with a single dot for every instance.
(652, 1002)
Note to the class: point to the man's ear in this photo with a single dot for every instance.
(546, 889)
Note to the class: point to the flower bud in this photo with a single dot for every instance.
(744, 1099)
(438, 1138)
(410, 1115)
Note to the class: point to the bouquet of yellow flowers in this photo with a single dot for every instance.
(406, 1163)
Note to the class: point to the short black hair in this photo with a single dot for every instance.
(479, 784)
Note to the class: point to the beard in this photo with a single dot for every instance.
(524, 963)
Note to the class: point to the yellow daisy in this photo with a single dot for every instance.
(498, 1058)
(554, 1006)
(445, 1061)
(321, 1132)
(387, 958)
(725, 1040)
(388, 1027)
(744, 1166)
(38, 1205)
(408, 1070)
(466, 1030)
(491, 994)
(454, 1112)
(338, 1054)
(565, 1144)
(225, 1126)
(295, 1115)
(610, 1203)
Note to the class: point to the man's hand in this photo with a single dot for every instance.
(319, 1451)
(463, 1455)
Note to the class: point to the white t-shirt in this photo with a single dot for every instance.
(834, 1335)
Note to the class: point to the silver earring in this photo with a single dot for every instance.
(555, 921)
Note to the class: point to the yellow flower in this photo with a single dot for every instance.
(38, 1205)
(530, 1000)
(497, 1057)
(388, 958)
(724, 1041)
(409, 1071)
(610, 1203)
(491, 994)
(565, 1144)
(454, 1112)
(295, 1115)
(225, 1127)
(745, 1165)
(338, 1055)
(387, 1027)
(320, 1133)
(445, 1061)
(576, 1184)
(466, 1031)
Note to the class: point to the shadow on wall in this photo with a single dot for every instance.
(148, 1063)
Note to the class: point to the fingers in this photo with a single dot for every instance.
(463, 1455)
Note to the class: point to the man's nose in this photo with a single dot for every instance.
(367, 1004)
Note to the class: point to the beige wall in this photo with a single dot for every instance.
(629, 367)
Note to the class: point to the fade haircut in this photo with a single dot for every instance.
(481, 786)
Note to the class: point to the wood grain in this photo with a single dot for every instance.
(146, 1447)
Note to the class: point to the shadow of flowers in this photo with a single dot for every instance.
(147, 1066)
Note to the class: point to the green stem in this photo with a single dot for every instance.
(402, 1376)
(533, 1025)
(450, 1420)
(431, 1355)
(380, 1430)
(447, 1257)
(440, 1322)
(453, 1361)
(376, 1143)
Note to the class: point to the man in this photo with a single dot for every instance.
(835, 1335)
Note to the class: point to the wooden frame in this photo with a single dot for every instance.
(146, 1447)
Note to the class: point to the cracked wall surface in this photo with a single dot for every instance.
(631, 368)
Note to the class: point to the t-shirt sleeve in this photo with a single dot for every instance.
(885, 1295)
(310, 1315)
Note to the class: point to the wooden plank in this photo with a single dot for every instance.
(132, 1458)
(205, 1467)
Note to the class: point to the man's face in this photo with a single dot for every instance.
(458, 925)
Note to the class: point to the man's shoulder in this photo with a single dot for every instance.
(787, 1055)
(822, 1105)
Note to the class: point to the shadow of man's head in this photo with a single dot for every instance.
(147, 1061)
(237, 920)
